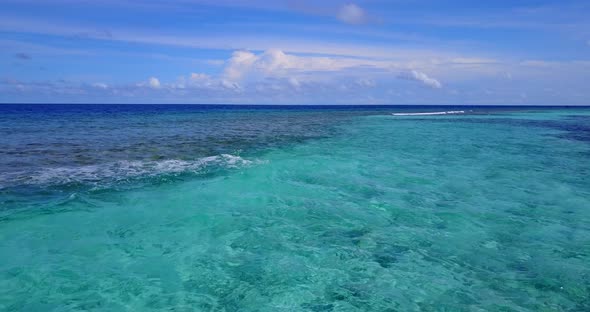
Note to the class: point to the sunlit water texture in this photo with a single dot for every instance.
(200, 208)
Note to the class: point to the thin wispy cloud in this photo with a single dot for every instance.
(100, 85)
(421, 77)
(351, 13)
(302, 51)
(229, 41)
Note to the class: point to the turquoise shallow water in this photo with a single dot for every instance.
(299, 211)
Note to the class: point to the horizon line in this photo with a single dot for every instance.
(316, 105)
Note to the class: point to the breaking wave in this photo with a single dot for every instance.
(122, 171)
(429, 113)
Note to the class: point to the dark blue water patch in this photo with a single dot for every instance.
(577, 127)
(573, 127)
(33, 141)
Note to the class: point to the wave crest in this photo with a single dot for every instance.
(123, 170)
(429, 113)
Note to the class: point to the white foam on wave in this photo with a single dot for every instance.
(429, 113)
(124, 170)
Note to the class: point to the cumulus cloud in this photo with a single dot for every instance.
(244, 65)
(352, 14)
(194, 80)
(239, 64)
(231, 85)
(23, 56)
(201, 80)
(154, 83)
(100, 85)
(269, 75)
(421, 77)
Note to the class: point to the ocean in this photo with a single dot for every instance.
(290, 208)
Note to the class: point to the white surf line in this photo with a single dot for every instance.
(430, 113)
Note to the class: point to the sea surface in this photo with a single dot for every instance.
(283, 208)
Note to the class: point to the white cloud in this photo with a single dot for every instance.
(239, 64)
(352, 14)
(201, 80)
(276, 63)
(422, 77)
(275, 73)
(366, 82)
(538, 63)
(100, 85)
(233, 41)
(230, 85)
(473, 61)
(154, 83)
(204, 82)
(277, 70)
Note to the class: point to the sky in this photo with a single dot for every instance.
(455, 52)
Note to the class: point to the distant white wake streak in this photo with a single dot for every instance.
(429, 113)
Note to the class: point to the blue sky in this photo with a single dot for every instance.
(295, 52)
